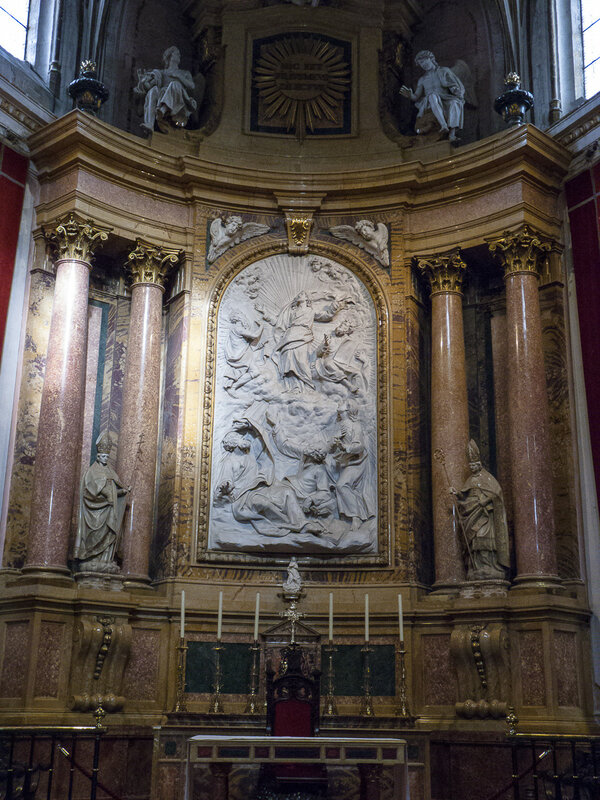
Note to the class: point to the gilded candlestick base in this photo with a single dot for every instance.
(253, 706)
(180, 706)
(330, 707)
(403, 710)
(366, 703)
(216, 704)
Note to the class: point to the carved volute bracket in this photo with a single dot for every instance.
(445, 271)
(151, 264)
(298, 226)
(74, 239)
(481, 658)
(101, 646)
(520, 251)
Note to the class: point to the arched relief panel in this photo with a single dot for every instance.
(294, 457)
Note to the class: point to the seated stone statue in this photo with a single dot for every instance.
(439, 91)
(101, 511)
(170, 94)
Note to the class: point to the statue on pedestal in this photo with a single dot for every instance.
(101, 511)
(483, 519)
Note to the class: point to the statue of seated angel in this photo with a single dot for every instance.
(171, 94)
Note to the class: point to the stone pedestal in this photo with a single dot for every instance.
(520, 253)
(59, 433)
(449, 410)
(136, 460)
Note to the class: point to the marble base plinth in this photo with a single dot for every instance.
(493, 587)
(106, 581)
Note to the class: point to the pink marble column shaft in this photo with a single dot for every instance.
(138, 437)
(531, 468)
(449, 411)
(59, 433)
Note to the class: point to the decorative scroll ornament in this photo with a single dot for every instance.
(445, 272)
(151, 264)
(520, 251)
(75, 240)
(298, 230)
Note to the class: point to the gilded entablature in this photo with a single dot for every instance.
(295, 458)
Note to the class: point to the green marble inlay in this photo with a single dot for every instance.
(348, 668)
(200, 670)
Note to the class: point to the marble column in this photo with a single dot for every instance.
(138, 436)
(59, 433)
(449, 410)
(521, 254)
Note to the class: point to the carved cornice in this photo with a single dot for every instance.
(445, 272)
(151, 264)
(520, 251)
(75, 240)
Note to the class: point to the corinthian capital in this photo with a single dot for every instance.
(521, 250)
(74, 239)
(151, 264)
(445, 271)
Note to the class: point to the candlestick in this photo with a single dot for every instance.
(330, 708)
(330, 617)
(220, 617)
(252, 704)
(256, 615)
(403, 709)
(367, 618)
(182, 618)
(180, 705)
(366, 705)
(400, 618)
(216, 704)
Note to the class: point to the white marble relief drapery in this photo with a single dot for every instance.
(294, 450)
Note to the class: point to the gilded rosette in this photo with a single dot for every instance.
(445, 272)
(520, 251)
(75, 240)
(151, 264)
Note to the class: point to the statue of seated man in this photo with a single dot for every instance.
(440, 91)
(168, 93)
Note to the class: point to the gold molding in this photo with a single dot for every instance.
(75, 240)
(298, 228)
(151, 264)
(521, 251)
(445, 271)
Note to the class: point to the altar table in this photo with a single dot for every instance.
(368, 754)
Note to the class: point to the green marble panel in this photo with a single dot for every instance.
(200, 670)
(348, 668)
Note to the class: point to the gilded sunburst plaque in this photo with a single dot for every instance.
(301, 85)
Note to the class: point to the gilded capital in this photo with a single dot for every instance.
(150, 264)
(520, 251)
(73, 239)
(445, 272)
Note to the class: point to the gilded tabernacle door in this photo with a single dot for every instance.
(294, 451)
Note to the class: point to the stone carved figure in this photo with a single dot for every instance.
(371, 237)
(296, 340)
(229, 232)
(170, 94)
(292, 585)
(483, 519)
(101, 511)
(439, 91)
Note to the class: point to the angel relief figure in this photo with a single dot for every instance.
(226, 233)
(368, 236)
(242, 352)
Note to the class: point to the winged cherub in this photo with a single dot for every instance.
(369, 236)
(226, 233)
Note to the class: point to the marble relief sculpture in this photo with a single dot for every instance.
(230, 231)
(439, 92)
(371, 237)
(101, 511)
(483, 519)
(170, 94)
(294, 455)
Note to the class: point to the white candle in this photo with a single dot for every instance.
(220, 617)
(256, 614)
(400, 619)
(366, 618)
(182, 620)
(330, 616)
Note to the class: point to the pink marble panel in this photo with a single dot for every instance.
(49, 656)
(533, 683)
(439, 680)
(141, 675)
(16, 660)
(566, 668)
